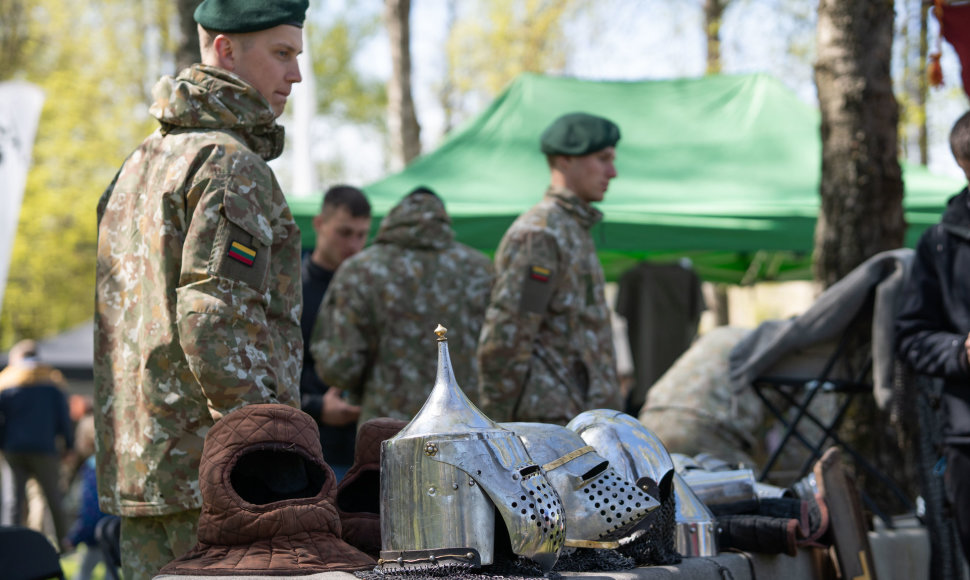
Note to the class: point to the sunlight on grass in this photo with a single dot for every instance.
(70, 564)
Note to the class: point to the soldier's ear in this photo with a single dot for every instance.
(225, 52)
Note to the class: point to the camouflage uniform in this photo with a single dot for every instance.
(198, 290)
(374, 334)
(695, 407)
(546, 351)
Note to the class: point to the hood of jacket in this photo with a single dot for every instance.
(210, 98)
(418, 222)
(267, 500)
(957, 210)
(31, 374)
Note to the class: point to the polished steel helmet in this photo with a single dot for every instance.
(446, 474)
(602, 507)
(641, 456)
(632, 449)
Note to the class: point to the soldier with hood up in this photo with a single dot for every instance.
(198, 293)
(368, 339)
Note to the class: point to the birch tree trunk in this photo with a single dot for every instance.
(713, 14)
(861, 199)
(402, 122)
(861, 189)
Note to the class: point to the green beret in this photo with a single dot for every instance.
(579, 134)
(249, 15)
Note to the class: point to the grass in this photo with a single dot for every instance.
(70, 564)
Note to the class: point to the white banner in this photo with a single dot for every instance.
(20, 105)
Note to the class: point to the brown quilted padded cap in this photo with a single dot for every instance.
(267, 500)
(359, 492)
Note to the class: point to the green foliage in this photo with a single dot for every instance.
(13, 36)
(93, 115)
(342, 91)
(498, 40)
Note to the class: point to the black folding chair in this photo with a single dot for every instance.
(789, 399)
(26, 554)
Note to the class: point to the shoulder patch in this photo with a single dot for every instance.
(540, 273)
(536, 289)
(239, 255)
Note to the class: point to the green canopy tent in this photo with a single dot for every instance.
(723, 170)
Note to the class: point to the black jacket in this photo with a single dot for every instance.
(337, 442)
(934, 321)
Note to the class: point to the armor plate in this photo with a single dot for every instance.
(447, 473)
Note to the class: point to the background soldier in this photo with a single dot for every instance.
(371, 336)
(341, 228)
(546, 351)
(198, 303)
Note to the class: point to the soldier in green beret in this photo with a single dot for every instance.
(546, 348)
(198, 290)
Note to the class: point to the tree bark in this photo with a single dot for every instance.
(187, 51)
(14, 33)
(402, 122)
(861, 196)
(923, 84)
(713, 13)
(861, 188)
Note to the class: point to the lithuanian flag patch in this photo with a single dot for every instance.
(241, 253)
(539, 273)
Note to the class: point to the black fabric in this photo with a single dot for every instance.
(107, 532)
(26, 553)
(773, 525)
(781, 507)
(337, 442)
(934, 321)
(662, 304)
(956, 478)
(267, 475)
(754, 533)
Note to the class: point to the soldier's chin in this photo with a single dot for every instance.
(279, 106)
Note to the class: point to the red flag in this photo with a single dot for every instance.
(955, 28)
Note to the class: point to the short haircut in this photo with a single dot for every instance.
(207, 38)
(346, 196)
(960, 138)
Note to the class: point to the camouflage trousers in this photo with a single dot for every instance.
(150, 542)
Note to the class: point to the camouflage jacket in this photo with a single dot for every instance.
(546, 351)
(374, 335)
(198, 290)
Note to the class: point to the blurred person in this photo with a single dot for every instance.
(546, 351)
(197, 293)
(88, 512)
(341, 230)
(37, 430)
(933, 329)
(371, 335)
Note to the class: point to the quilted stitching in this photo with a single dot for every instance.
(286, 537)
(363, 529)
